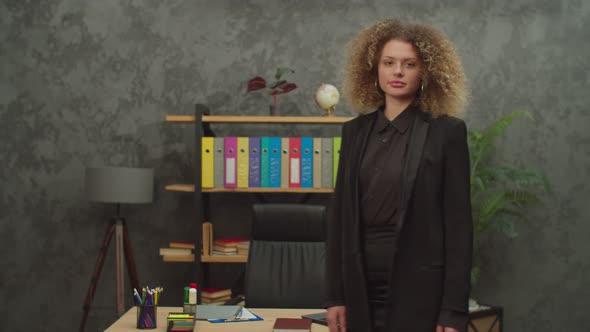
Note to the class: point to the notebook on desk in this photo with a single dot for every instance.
(205, 312)
(319, 318)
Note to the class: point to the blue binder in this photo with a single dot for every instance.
(264, 162)
(275, 162)
(306, 162)
(254, 171)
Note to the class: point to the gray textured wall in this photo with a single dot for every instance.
(89, 82)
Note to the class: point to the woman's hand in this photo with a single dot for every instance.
(440, 328)
(336, 317)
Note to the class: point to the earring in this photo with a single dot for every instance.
(421, 87)
(375, 84)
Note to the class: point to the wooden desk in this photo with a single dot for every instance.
(127, 321)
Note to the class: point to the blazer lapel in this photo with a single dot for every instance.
(414, 155)
(360, 141)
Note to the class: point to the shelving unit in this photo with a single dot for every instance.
(201, 119)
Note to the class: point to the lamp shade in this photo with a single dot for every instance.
(119, 184)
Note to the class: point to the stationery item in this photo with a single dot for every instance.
(192, 293)
(243, 159)
(336, 155)
(295, 162)
(319, 318)
(175, 251)
(179, 321)
(244, 315)
(264, 162)
(306, 162)
(205, 312)
(327, 160)
(147, 306)
(146, 316)
(292, 325)
(284, 162)
(274, 178)
(254, 163)
(317, 162)
(207, 167)
(230, 146)
(218, 162)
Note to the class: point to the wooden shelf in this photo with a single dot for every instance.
(207, 259)
(224, 259)
(259, 119)
(189, 188)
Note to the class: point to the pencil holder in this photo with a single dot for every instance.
(146, 316)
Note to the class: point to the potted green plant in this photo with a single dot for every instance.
(500, 194)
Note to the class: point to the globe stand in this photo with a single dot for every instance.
(330, 111)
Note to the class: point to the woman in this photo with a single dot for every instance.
(400, 232)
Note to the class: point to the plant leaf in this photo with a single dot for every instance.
(257, 83)
(277, 84)
(282, 71)
(288, 87)
(507, 227)
(482, 143)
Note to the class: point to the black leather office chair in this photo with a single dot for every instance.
(286, 261)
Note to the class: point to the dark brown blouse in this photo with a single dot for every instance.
(381, 168)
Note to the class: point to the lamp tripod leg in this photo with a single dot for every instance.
(134, 280)
(120, 273)
(96, 274)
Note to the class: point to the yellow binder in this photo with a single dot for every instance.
(207, 162)
(243, 159)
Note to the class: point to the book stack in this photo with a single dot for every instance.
(215, 296)
(178, 251)
(243, 248)
(269, 162)
(180, 321)
(227, 246)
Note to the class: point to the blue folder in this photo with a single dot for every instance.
(306, 162)
(275, 162)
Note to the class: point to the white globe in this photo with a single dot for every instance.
(327, 97)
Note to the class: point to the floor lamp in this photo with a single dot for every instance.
(116, 185)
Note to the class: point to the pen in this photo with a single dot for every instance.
(136, 296)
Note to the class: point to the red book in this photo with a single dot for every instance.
(292, 325)
(295, 162)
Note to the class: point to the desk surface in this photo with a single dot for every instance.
(127, 321)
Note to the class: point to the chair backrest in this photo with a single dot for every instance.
(286, 261)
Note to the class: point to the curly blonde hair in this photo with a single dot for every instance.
(443, 81)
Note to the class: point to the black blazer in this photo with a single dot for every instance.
(430, 279)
